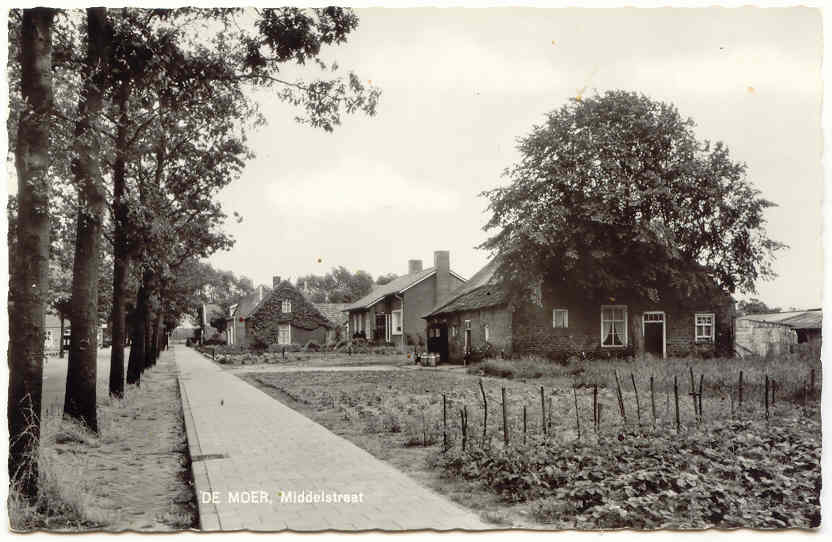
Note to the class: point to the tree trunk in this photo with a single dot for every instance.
(79, 401)
(30, 272)
(61, 338)
(121, 254)
(135, 364)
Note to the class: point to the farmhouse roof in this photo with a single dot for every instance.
(810, 319)
(333, 312)
(395, 286)
(481, 291)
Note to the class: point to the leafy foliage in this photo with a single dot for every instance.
(339, 285)
(614, 192)
(742, 474)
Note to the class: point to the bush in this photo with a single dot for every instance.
(280, 348)
(312, 346)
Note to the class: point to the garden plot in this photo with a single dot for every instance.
(581, 452)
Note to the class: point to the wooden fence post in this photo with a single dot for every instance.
(693, 394)
(577, 415)
(739, 398)
(464, 421)
(701, 379)
(524, 425)
(542, 411)
(444, 423)
(766, 401)
(595, 406)
(505, 418)
(549, 418)
(484, 413)
(620, 398)
(676, 400)
(652, 401)
(638, 404)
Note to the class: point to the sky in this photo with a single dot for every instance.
(460, 86)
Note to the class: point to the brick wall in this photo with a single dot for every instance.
(533, 331)
(498, 320)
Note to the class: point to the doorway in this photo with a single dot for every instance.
(655, 333)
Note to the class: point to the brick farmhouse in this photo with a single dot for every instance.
(280, 316)
(561, 321)
(392, 312)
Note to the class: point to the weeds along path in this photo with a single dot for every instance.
(135, 475)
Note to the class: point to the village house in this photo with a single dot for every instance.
(778, 333)
(392, 312)
(335, 314)
(280, 316)
(52, 334)
(561, 322)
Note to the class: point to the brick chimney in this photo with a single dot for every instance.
(414, 266)
(275, 282)
(442, 263)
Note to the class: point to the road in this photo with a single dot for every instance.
(54, 379)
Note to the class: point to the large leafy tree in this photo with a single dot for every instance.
(615, 193)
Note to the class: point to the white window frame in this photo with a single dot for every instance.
(467, 324)
(485, 331)
(286, 306)
(565, 313)
(454, 330)
(48, 339)
(645, 321)
(626, 325)
(396, 315)
(280, 329)
(704, 338)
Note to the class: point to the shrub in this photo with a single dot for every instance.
(312, 346)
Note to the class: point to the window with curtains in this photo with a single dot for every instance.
(560, 318)
(613, 325)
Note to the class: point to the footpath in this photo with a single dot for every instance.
(258, 465)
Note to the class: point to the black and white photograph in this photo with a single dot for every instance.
(411, 267)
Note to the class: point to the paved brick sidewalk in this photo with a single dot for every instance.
(242, 440)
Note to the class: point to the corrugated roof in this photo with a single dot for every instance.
(811, 319)
(333, 312)
(482, 290)
(393, 287)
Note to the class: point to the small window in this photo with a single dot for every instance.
(49, 337)
(467, 324)
(704, 326)
(284, 334)
(453, 331)
(485, 330)
(286, 306)
(613, 325)
(560, 318)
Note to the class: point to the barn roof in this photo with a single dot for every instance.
(481, 291)
(811, 319)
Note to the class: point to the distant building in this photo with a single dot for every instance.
(776, 333)
(52, 334)
(280, 316)
(392, 312)
(335, 313)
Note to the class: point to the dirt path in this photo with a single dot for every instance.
(135, 475)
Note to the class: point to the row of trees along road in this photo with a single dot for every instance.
(125, 123)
